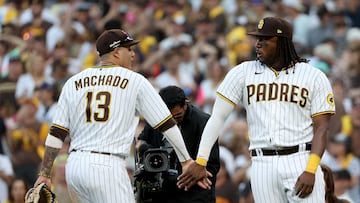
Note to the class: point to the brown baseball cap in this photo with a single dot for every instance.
(273, 26)
(113, 38)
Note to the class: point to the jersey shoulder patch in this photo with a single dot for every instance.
(330, 99)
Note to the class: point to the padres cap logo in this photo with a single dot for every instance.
(330, 99)
(261, 24)
(273, 26)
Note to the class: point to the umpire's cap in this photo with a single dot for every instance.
(273, 26)
(113, 38)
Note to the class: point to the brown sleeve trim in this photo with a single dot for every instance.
(226, 99)
(59, 131)
(163, 126)
(322, 113)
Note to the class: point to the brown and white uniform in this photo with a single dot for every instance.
(100, 108)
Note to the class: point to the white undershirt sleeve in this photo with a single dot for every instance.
(220, 112)
(53, 142)
(173, 135)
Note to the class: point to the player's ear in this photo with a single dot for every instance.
(116, 53)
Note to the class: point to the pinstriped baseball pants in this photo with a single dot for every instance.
(273, 179)
(95, 178)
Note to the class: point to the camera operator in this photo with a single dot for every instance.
(191, 121)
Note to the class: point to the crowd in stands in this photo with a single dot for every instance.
(188, 43)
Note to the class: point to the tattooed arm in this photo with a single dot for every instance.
(46, 166)
(54, 142)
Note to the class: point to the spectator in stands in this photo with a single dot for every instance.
(226, 190)
(17, 190)
(8, 85)
(60, 72)
(342, 183)
(173, 75)
(6, 176)
(353, 122)
(338, 156)
(330, 193)
(294, 11)
(34, 76)
(58, 179)
(322, 31)
(207, 90)
(27, 142)
(342, 103)
(3, 128)
(47, 93)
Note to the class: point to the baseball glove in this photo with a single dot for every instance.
(40, 194)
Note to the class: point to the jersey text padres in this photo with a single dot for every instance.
(297, 92)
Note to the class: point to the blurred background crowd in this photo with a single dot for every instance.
(188, 43)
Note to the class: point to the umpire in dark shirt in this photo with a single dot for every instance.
(191, 121)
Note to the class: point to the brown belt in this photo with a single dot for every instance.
(104, 153)
(282, 151)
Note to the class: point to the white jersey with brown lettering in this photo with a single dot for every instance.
(280, 105)
(101, 106)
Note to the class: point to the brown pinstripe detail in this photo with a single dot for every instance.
(166, 124)
(59, 132)
(225, 98)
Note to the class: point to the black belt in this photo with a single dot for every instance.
(282, 151)
(104, 153)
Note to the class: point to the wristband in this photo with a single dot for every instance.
(44, 175)
(313, 163)
(53, 142)
(201, 161)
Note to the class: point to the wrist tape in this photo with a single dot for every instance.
(313, 163)
(201, 161)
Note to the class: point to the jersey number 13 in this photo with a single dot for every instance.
(101, 113)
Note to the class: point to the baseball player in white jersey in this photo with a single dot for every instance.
(99, 109)
(289, 104)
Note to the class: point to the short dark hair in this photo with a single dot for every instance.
(173, 96)
(113, 24)
(342, 174)
(322, 11)
(343, 139)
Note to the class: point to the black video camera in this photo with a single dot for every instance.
(153, 172)
(156, 160)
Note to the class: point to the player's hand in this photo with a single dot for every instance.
(42, 179)
(192, 173)
(304, 184)
(205, 183)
